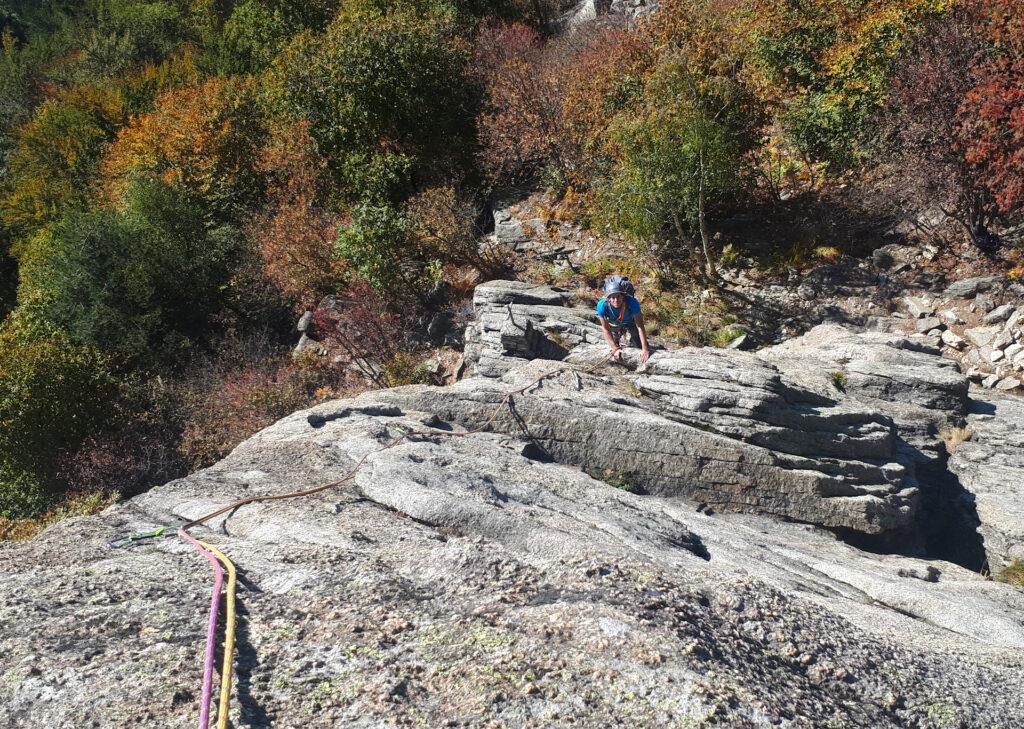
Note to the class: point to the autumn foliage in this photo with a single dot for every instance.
(197, 137)
(993, 111)
(296, 230)
(178, 174)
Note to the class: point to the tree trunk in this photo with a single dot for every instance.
(705, 239)
(542, 19)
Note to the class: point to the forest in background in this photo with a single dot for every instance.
(180, 178)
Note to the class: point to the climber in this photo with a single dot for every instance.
(619, 312)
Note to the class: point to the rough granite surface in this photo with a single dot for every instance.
(484, 579)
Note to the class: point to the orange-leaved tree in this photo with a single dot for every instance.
(56, 154)
(993, 111)
(202, 138)
(296, 230)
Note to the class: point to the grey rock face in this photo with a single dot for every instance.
(900, 376)
(456, 567)
(485, 579)
(826, 429)
(704, 428)
(989, 466)
(517, 321)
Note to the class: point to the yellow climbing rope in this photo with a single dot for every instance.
(229, 638)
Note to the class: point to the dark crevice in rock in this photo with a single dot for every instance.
(319, 420)
(949, 520)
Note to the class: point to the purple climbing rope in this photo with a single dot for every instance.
(211, 631)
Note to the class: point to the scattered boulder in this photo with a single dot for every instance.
(999, 314)
(918, 307)
(981, 336)
(928, 324)
(894, 257)
(952, 340)
(950, 317)
(968, 288)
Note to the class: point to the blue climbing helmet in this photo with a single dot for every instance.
(618, 285)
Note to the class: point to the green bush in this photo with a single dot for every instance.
(831, 65)
(685, 150)
(137, 282)
(380, 246)
(257, 30)
(52, 394)
(386, 93)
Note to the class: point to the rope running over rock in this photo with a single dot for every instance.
(215, 557)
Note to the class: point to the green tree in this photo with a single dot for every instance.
(56, 155)
(827, 65)
(52, 395)
(679, 158)
(386, 95)
(257, 30)
(139, 282)
(377, 243)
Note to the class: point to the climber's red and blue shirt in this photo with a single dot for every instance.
(616, 317)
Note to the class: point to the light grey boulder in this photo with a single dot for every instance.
(950, 317)
(889, 370)
(950, 339)
(981, 336)
(929, 324)
(968, 288)
(983, 303)
(919, 307)
(999, 314)
(1003, 339)
(894, 256)
(517, 321)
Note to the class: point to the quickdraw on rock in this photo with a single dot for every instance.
(129, 539)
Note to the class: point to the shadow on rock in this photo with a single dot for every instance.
(253, 713)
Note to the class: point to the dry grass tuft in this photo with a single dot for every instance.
(954, 436)
(1014, 574)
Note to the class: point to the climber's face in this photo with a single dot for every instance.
(616, 300)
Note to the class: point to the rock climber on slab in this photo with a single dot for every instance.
(619, 313)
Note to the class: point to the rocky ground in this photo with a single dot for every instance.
(511, 578)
